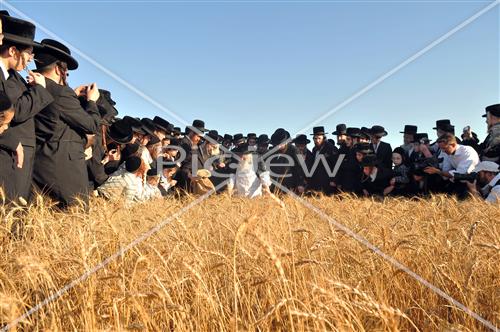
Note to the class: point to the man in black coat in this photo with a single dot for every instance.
(15, 54)
(382, 150)
(284, 165)
(61, 128)
(323, 152)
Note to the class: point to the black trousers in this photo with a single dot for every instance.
(7, 169)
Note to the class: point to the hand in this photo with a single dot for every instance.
(333, 184)
(19, 156)
(300, 189)
(36, 78)
(172, 183)
(392, 182)
(221, 165)
(93, 92)
(113, 154)
(81, 90)
(472, 187)
(432, 170)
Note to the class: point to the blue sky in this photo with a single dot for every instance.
(255, 66)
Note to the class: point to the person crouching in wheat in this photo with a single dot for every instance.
(251, 178)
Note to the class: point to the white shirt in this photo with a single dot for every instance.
(247, 184)
(494, 195)
(4, 70)
(463, 161)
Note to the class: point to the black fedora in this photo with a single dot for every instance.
(369, 160)
(279, 136)
(301, 139)
(318, 130)
(149, 126)
(378, 131)
(135, 124)
(263, 139)
(251, 136)
(18, 31)
(198, 126)
(52, 51)
(409, 129)
(213, 135)
(365, 132)
(177, 131)
(493, 110)
(162, 124)
(228, 137)
(447, 128)
(353, 132)
(120, 132)
(418, 138)
(365, 148)
(238, 139)
(441, 123)
(243, 149)
(106, 106)
(341, 129)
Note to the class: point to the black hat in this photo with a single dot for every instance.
(152, 172)
(399, 150)
(279, 136)
(417, 138)
(353, 132)
(447, 128)
(263, 139)
(228, 137)
(365, 132)
(129, 150)
(213, 134)
(369, 160)
(340, 129)
(18, 31)
(149, 126)
(132, 164)
(106, 106)
(238, 139)
(242, 149)
(378, 131)
(177, 131)
(135, 124)
(198, 126)
(162, 124)
(318, 131)
(52, 51)
(5, 103)
(153, 140)
(441, 123)
(409, 129)
(251, 135)
(301, 139)
(365, 148)
(493, 110)
(120, 132)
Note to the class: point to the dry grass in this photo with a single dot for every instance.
(245, 265)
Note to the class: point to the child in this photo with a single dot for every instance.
(151, 190)
(399, 182)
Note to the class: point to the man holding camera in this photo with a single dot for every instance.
(458, 159)
(491, 145)
(488, 177)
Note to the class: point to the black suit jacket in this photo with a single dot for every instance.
(60, 133)
(384, 154)
(27, 103)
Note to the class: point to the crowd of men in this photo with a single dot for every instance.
(69, 143)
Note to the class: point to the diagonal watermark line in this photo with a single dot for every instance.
(393, 261)
(393, 71)
(54, 296)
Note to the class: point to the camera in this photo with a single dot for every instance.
(471, 177)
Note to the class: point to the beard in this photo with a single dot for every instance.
(246, 164)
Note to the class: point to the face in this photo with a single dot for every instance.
(440, 133)
(397, 159)
(491, 120)
(262, 148)
(1, 33)
(21, 58)
(408, 138)
(5, 119)
(252, 141)
(359, 156)
(301, 147)
(153, 180)
(367, 170)
(348, 141)
(341, 139)
(160, 134)
(282, 148)
(227, 144)
(448, 148)
(363, 140)
(195, 138)
(169, 172)
(318, 140)
(376, 139)
(166, 142)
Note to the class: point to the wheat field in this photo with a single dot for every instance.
(231, 264)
